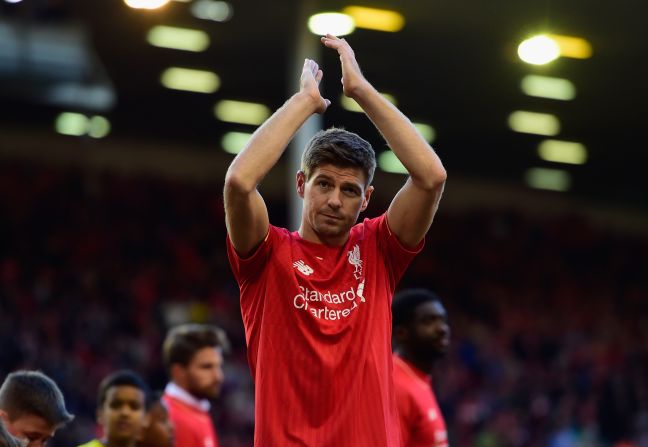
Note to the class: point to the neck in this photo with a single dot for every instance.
(309, 235)
(424, 364)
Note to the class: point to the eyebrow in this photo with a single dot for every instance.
(342, 183)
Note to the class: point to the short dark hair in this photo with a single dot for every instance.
(122, 377)
(405, 303)
(32, 392)
(339, 147)
(182, 342)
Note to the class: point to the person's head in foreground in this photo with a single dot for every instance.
(193, 355)
(335, 183)
(121, 408)
(420, 326)
(32, 407)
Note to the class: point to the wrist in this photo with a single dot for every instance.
(359, 90)
(307, 101)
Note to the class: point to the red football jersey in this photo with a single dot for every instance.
(192, 424)
(421, 421)
(318, 327)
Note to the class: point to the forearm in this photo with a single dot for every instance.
(268, 143)
(418, 157)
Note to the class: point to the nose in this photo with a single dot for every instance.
(334, 199)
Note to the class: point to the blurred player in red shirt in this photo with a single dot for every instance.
(193, 355)
(316, 303)
(422, 336)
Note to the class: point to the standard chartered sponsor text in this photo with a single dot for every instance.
(346, 299)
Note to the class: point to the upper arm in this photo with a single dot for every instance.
(412, 210)
(246, 218)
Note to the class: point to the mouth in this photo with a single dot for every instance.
(124, 426)
(330, 216)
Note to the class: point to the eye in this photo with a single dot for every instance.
(351, 191)
(323, 184)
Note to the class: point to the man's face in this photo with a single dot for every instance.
(159, 431)
(203, 376)
(122, 413)
(333, 199)
(431, 332)
(32, 428)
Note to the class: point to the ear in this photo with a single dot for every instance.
(178, 374)
(365, 199)
(5, 417)
(100, 416)
(300, 181)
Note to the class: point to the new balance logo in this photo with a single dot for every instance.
(303, 268)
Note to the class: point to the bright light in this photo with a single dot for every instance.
(551, 179)
(234, 142)
(538, 50)
(563, 152)
(98, 127)
(217, 11)
(375, 19)
(78, 125)
(146, 4)
(574, 47)
(198, 81)
(389, 162)
(331, 23)
(178, 38)
(13, 1)
(352, 106)
(426, 131)
(535, 123)
(548, 87)
(69, 123)
(241, 112)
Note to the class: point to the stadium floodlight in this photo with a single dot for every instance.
(375, 19)
(548, 87)
(234, 142)
(190, 80)
(178, 38)
(539, 50)
(549, 179)
(534, 123)
(241, 112)
(557, 151)
(334, 23)
(146, 4)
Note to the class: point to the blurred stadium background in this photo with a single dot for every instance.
(116, 131)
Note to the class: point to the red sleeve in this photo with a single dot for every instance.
(397, 256)
(248, 269)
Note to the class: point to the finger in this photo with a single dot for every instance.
(314, 68)
(328, 103)
(330, 41)
(319, 75)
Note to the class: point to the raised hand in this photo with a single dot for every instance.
(352, 79)
(309, 84)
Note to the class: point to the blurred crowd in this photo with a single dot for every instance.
(549, 316)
